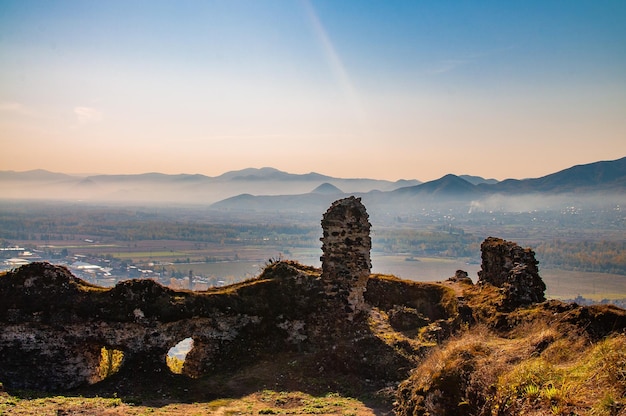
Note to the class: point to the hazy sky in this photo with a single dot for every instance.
(384, 89)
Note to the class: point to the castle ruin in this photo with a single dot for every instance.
(346, 246)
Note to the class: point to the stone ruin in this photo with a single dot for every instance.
(346, 245)
(513, 269)
(53, 325)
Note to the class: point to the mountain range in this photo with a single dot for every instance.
(594, 183)
(182, 188)
(269, 189)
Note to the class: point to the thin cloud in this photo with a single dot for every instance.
(15, 108)
(87, 115)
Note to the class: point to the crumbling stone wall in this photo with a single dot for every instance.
(53, 325)
(513, 269)
(346, 246)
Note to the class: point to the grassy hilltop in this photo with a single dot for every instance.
(474, 357)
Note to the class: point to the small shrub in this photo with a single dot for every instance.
(552, 394)
(555, 409)
(110, 362)
(530, 372)
(175, 364)
(531, 391)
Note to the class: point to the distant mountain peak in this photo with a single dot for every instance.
(475, 180)
(327, 188)
(447, 185)
(268, 173)
(451, 183)
(35, 175)
(248, 172)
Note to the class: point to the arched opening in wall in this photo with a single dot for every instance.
(110, 362)
(177, 354)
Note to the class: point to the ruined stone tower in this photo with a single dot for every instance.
(513, 269)
(346, 246)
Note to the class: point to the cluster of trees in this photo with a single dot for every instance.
(444, 243)
(591, 256)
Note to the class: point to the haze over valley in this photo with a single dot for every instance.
(171, 225)
(271, 189)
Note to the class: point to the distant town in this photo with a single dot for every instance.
(104, 272)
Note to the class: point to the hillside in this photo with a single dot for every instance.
(449, 185)
(548, 358)
(604, 176)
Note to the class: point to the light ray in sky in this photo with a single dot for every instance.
(335, 63)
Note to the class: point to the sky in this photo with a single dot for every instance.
(352, 88)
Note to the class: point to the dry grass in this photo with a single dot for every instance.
(592, 383)
(266, 402)
(541, 367)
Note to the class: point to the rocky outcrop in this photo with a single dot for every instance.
(461, 276)
(513, 269)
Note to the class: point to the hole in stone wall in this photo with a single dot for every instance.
(177, 354)
(110, 362)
